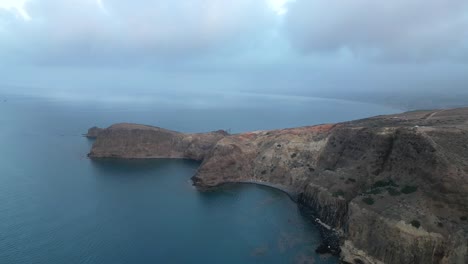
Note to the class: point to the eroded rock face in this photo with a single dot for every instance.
(393, 188)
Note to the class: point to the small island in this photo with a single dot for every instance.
(387, 189)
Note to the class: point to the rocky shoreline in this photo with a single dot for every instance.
(387, 189)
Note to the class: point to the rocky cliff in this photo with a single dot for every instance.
(391, 189)
(140, 141)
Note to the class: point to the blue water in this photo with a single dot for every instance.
(57, 206)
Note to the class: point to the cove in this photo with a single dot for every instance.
(239, 223)
(57, 206)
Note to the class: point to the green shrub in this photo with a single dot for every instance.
(380, 184)
(374, 191)
(351, 180)
(464, 218)
(368, 200)
(338, 193)
(393, 191)
(415, 223)
(409, 189)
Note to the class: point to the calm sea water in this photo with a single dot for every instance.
(57, 206)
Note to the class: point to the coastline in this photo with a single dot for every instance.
(330, 237)
(359, 178)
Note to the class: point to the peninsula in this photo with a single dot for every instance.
(387, 189)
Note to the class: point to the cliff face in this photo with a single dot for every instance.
(394, 188)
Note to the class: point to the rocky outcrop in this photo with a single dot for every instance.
(140, 141)
(93, 132)
(389, 189)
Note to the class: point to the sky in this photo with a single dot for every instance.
(331, 48)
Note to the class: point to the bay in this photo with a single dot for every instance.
(57, 206)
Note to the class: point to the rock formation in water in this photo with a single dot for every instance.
(393, 189)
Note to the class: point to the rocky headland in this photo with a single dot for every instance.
(388, 189)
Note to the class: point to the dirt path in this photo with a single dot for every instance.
(433, 114)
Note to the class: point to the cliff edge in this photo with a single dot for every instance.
(392, 189)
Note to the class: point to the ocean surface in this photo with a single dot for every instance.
(57, 206)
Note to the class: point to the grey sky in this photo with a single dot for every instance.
(301, 47)
(400, 30)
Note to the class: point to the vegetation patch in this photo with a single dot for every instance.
(374, 191)
(409, 189)
(338, 193)
(464, 218)
(381, 184)
(378, 188)
(415, 223)
(351, 180)
(393, 192)
(368, 200)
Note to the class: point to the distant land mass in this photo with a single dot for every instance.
(407, 101)
(387, 189)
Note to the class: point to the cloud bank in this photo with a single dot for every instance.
(77, 31)
(298, 47)
(400, 30)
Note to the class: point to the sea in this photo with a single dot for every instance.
(58, 206)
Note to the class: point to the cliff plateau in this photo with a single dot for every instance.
(387, 189)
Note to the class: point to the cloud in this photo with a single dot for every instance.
(15, 6)
(396, 30)
(121, 32)
(83, 31)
